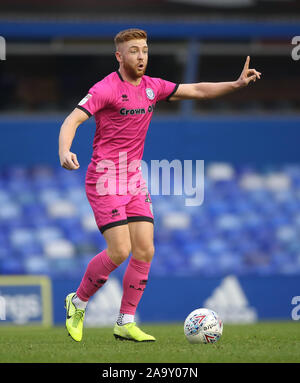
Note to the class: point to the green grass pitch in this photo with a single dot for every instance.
(265, 342)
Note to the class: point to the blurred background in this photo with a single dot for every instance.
(239, 252)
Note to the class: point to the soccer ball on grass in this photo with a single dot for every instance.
(203, 326)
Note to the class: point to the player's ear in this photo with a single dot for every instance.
(118, 55)
(119, 52)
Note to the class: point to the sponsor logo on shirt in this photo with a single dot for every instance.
(85, 99)
(150, 94)
(126, 112)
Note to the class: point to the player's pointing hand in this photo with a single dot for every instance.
(247, 74)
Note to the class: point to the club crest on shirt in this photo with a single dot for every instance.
(85, 99)
(150, 94)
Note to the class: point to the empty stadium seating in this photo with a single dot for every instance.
(249, 223)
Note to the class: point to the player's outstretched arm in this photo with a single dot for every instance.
(68, 160)
(209, 90)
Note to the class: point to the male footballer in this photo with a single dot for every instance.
(122, 104)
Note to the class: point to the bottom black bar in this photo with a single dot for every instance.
(131, 372)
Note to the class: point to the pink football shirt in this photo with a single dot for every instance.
(122, 113)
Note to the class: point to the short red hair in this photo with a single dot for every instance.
(130, 34)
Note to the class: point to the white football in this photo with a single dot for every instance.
(203, 326)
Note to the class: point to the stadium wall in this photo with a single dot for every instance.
(245, 299)
(255, 140)
(46, 29)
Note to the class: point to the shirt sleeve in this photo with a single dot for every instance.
(166, 89)
(97, 98)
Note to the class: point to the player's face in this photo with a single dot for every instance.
(133, 56)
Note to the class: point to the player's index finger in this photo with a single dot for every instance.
(246, 66)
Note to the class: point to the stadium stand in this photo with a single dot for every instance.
(249, 224)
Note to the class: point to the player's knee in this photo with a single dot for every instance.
(144, 253)
(119, 254)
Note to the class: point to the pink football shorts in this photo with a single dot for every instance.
(115, 210)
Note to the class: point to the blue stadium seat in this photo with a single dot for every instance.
(245, 225)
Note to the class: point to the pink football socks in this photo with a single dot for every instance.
(95, 276)
(134, 283)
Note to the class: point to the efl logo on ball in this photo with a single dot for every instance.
(203, 326)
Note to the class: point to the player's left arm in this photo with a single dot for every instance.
(209, 90)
